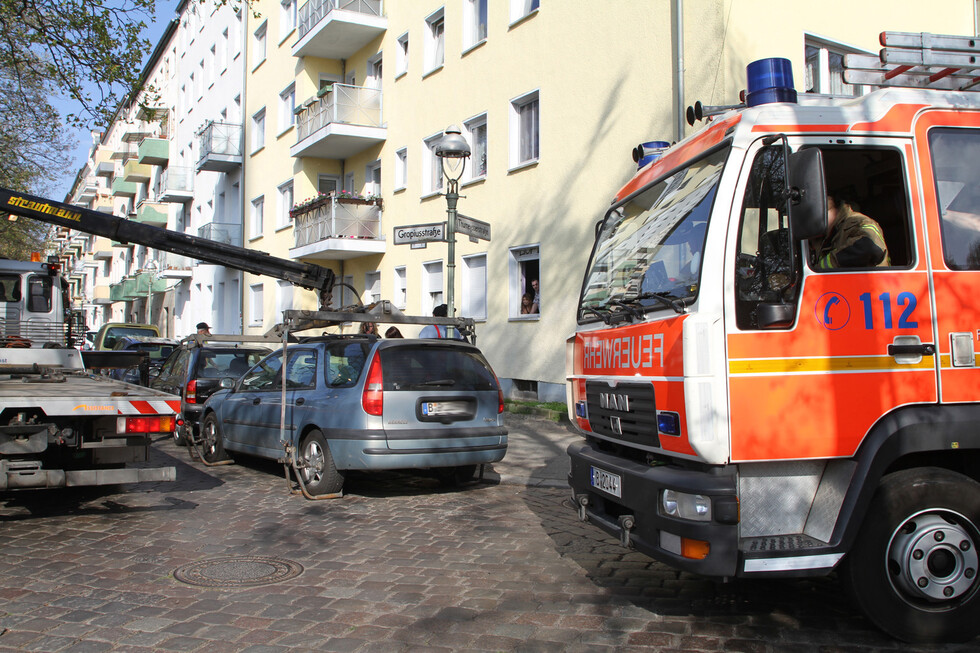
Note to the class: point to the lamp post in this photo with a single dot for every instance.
(150, 268)
(453, 149)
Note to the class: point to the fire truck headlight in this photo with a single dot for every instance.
(695, 507)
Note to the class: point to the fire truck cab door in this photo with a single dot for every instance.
(861, 338)
(948, 148)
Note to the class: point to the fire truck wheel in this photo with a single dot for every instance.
(320, 474)
(913, 569)
(212, 448)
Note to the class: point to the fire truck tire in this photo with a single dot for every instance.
(913, 569)
(212, 447)
(320, 474)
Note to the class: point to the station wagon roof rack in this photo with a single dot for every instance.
(919, 60)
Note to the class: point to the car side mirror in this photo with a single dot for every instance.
(807, 195)
(226, 383)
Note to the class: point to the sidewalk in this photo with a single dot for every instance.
(535, 452)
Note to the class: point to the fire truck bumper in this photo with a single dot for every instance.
(626, 499)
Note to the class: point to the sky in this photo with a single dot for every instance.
(62, 186)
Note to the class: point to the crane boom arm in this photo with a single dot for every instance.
(307, 275)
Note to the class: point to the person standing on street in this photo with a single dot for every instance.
(203, 329)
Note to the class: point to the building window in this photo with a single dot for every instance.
(475, 287)
(401, 169)
(476, 134)
(824, 71)
(259, 44)
(435, 43)
(431, 286)
(285, 203)
(258, 130)
(432, 170)
(372, 287)
(401, 288)
(374, 70)
(256, 304)
(255, 224)
(474, 22)
(287, 18)
(521, 8)
(524, 278)
(372, 178)
(287, 105)
(284, 298)
(347, 295)
(223, 52)
(401, 56)
(524, 129)
(327, 184)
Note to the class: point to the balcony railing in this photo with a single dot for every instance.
(354, 105)
(220, 147)
(176, 184)
(316, 10)
(220, 232)
(337, 218)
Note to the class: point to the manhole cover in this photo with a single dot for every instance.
(238, 571)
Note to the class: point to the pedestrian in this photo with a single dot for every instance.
(437, 331)
(203, 329)
(369, 328)
(393, 332)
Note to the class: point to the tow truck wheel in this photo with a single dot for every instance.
(320, 474)
(454, 476)
(212, 448)
(913, 569)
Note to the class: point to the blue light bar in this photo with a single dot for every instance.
(769, 80)
(648, 152)
(669, 423)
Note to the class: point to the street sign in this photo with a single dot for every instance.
(471, 227)
(420, 233)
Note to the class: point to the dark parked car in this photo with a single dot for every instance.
(193, 372)
(157, 348)
(358, 402)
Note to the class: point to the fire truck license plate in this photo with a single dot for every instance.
(444, 408)
(607, 482)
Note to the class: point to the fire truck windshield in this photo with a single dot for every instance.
(648, 251)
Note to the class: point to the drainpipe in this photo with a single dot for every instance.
(241, 180)
(678, 29)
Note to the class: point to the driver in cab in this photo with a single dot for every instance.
(853, 239)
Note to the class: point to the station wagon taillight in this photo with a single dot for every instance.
(190, 395)
(373, 398)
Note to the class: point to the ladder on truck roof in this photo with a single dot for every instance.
(919, 60)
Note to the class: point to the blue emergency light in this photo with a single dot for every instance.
(770, 80)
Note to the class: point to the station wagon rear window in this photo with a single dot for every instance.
(431, 368)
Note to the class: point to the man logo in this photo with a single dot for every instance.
(611, 401)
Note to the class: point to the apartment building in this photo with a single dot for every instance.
(343, 101)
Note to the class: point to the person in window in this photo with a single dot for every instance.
(853, 240)
(536, 287)
(437, 331)
(527, 303)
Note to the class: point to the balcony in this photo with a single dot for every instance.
(136, 172)
(124, 153)
(221, 147)
(123, 188)
(152, 213)
(87, 190)
(104, 204)
(105, 169)
(103, 295)
(333, 229)
(154, 151)
(339, 124)
(176, 266)
(336, 29)
(176, 184)
(102, 250)
(228, 233)
(134, 132)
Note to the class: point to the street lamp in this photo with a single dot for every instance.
(150, 268)
(453, 149)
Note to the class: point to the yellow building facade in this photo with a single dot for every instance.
(344, 100)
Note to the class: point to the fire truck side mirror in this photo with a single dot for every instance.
(808, 195)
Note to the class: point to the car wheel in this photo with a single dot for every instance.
(212, 448)
(913, 569)
(454, 476)
(320, 474)
(179, 439)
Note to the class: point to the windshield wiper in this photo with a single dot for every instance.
(440, 382)
(600, 312)
(628, 305)
(665, 298)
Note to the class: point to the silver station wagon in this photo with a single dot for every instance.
(359, 402)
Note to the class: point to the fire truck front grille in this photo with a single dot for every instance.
(626, 412)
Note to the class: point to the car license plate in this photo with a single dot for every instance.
(607, 482)
(443, 408)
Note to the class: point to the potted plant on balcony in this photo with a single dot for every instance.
(340, 196)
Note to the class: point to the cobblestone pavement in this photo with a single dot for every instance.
(398, 564)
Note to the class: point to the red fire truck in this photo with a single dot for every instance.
(750, 411)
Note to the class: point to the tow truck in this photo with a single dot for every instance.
(749, 411)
